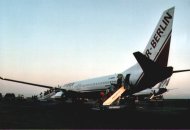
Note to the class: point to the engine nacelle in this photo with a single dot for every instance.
(59, 95)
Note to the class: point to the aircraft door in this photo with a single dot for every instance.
(119, 80)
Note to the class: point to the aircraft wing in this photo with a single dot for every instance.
(145, 92)
(69, 93)
(17, 81)
(155, 91)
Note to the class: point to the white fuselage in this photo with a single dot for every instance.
(92, 84)
(102, 83)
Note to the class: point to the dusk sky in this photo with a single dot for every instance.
(53, 42)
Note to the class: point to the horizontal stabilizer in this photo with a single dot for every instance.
(178, 71)
(153, 72)
(146, 64)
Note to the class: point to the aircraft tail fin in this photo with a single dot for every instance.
(159, 43)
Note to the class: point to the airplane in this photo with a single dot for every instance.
(152, 93)
(151, 68)
(147, 94)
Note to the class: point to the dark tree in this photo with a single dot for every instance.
(1, 97)
(9, 97)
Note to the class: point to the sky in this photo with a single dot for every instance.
(53, 42)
